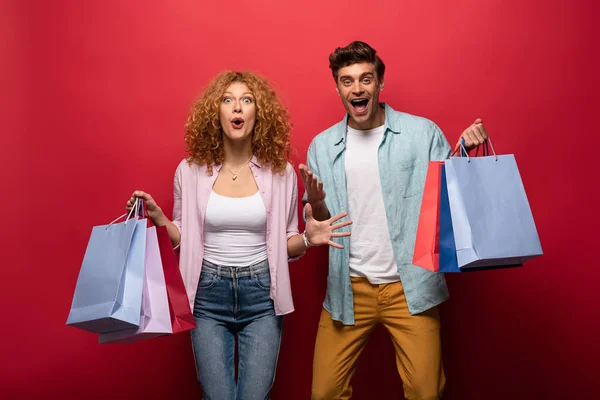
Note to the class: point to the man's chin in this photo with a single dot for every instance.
(359, 118)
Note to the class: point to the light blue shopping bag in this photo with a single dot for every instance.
(108, 293)
(155, 318)
(491, 218)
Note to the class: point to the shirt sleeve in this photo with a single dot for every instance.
(292, 211)
(440, 148)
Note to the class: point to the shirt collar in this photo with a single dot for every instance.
(390, 123)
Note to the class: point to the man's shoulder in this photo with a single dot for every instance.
(329, 134)
(409, 122)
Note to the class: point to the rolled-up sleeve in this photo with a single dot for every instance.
(177, 199)
(292, 210)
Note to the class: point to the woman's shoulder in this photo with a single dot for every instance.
(187, 166)
(288, 173)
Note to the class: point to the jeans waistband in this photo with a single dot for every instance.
(237, 272)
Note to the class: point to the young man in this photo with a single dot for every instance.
(373, 163)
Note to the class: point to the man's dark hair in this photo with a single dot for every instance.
(355, 52)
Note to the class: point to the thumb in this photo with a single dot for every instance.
(478, 121)
(308, 211)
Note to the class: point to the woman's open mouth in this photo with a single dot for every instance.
(237, 123)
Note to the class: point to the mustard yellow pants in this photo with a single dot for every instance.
(416, 340)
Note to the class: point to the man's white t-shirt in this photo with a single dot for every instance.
(371, 253)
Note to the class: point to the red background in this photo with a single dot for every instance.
(93, 101)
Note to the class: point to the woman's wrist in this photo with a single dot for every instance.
(160, 219)
(307, 243)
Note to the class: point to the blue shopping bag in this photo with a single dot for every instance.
(448, 262)
(492, 221)
(108, 293)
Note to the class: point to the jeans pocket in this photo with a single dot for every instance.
(207, 280)
(263, 280)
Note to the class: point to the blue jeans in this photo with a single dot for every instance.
(234, 302)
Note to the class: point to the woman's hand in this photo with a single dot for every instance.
(155, 213)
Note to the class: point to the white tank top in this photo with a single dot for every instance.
(235, 230)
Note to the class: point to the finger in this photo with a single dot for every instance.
(142, 195)
(308, 211)
(320, 185)
(316, 181)
(478, 136)
(337, 217)
(303, 173)
(340, 234)
(147, 197)
(309, 179)
(334, 244)
(483, 131)
(469, 139)
(304, 168)
(341, 225)
(314, 185)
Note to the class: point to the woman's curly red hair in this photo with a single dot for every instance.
(272, 129)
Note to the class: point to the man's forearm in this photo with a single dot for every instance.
(320, 211)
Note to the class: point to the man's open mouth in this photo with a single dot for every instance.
(359, 105)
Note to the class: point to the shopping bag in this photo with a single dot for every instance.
(108, 293)
(447, 247)
(155, 318)
(182, 318)
(491, 218)
(427, 253)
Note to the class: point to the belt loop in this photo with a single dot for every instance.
(218, 270)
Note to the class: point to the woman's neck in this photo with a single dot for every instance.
(237, 152)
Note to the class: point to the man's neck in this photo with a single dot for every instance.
(376, 121)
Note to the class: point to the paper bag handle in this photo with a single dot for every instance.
(137, 210)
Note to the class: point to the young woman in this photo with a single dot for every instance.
(235, 220)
